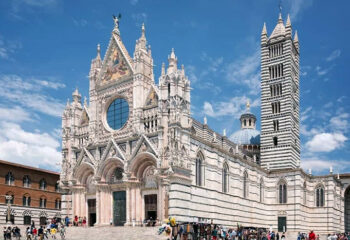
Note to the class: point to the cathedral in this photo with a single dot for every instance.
(134, 152)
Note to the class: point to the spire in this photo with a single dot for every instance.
(141, 43)
(280, 20)
(98, 52)
(143, 30)
(172, 62)
(288, 23)
(163, 69)
(76, 96)
(183, 69)
(264, 31)
(280, 29)
(296, 39)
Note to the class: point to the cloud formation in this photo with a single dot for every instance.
(326, 142)
(234, 107)
(246, 71)
(28, 93)
(335, 54)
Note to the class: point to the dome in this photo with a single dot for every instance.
(246, 136)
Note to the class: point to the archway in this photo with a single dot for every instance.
(347, 210)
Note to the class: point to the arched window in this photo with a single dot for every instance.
(245, 184)
(304, 192)
(225, 178)
(43, 202)
(42, 184)
(9, 198)
(26, 181)
(199, 170)
(261, 190)
(9, 179)
(26, 200)
(58, 204)
(320, 196)
(282, 192)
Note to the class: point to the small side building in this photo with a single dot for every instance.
(30, 194)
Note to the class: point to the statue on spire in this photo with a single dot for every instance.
(116, 20)
(248, 106)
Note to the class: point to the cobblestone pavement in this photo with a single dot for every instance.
(110, 233)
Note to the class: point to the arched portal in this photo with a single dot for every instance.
(347, 210)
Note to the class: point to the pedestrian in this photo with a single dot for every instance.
(277, 236)
(283, 237)
(312, 235)
(84, 222)
(53, 232)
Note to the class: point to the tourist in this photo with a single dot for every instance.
(84, 222)
(283, 237)
(29, 233)
(214, 233)
(66, 221)
(53, 233)
(277, 236)
(312, 235)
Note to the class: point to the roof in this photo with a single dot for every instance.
(246, 136)
(28, 167)
(279, 30)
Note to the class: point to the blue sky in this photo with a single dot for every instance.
(46, 47)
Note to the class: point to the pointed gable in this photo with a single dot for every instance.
(84, 120)
(152, 98)
(117, 63)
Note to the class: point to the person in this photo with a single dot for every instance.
(75, 222)
(283, 237)
(63, 232)
(53, 232)
(214, 233)
(29, 233)
(312, 235)
(84, 222)
(277, 236)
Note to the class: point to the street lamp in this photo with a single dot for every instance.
(8, 199)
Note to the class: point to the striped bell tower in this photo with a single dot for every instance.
(280, 139)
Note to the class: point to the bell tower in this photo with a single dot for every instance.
(280, 138)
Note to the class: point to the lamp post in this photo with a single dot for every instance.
(8, 199)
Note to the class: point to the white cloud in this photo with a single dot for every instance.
(8, 47)
(318, 165)
(246, 71)
(305, 114)
(335, 54)
(15, 114)
(297, 6)
(33, 149)
(322, 71)
(326, 142)
(234, 107)
(28, 93)
(340, 122)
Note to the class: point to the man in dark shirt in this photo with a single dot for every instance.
(41, 233)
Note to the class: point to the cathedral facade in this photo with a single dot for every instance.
(134, 152)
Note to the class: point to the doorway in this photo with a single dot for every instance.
(282, 224)
(119, 208)
(151, 207)
(92, 211)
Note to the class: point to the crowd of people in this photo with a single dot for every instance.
(204, 231)
(47, 231)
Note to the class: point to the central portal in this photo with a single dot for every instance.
(119, 208)
(151, 207)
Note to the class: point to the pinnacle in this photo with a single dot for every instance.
(296, 39)
(288, 21)
(264, 31)
(280, 20)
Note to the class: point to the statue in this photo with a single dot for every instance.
(116, 20)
